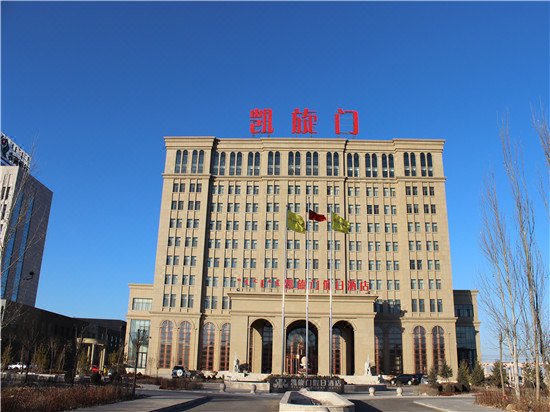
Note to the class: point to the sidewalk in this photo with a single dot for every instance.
(152, 403)
(454, 404)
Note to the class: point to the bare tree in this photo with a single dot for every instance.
(137, 341)
(514, 289)
(501, 293)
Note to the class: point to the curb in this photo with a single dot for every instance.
(183, 406)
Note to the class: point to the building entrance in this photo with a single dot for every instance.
(296, 348)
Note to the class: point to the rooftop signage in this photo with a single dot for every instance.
(13, 155)
(304, 122)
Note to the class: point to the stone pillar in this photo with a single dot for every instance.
(102, 358)
(408, 348)
(217, 348)
(194, 347)
(364, 343)
(323, 347)
(93, 353)
(239, 339)
(430, 348)
(277, 361)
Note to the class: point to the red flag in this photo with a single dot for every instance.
(316, 216)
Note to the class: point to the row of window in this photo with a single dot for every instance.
(417, 245)
(314, 226)
(387, 306)
(417, 264)
(413, 190)
(417, 305)
(370, 191)
(197, 161)
(232, 162)
(191, 205)
(418, 284)
(413, 208)
(184, 339)
(426, 164)
(193, 187)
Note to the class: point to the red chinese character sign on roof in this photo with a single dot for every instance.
(341, 115)
(304, 122)
(261, 121)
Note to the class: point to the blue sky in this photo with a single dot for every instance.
(95, 86)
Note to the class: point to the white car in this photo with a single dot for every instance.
(19, 366)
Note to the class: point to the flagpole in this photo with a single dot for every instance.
(283, 340)
(332, 246)
(307, 286)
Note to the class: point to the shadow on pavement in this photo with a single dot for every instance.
(361, 406)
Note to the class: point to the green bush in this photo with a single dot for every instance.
(463, 373)
(477, 375)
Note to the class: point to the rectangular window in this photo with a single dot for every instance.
(432, 305)
(414, 304)
(421, 307)
(142, 304)
(439, 305)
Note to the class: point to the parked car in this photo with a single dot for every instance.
(407, 378)
(95, 369)
(19, 366)
(180, 372)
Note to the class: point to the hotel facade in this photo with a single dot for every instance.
(224, 252)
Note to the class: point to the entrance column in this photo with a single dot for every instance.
(276, 360)
(239, 340)
(323, 347)
(408, 348)
(364, 343)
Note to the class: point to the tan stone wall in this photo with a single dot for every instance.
(255, 303)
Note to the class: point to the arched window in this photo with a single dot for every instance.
(232, 164)
(194, 160)
(297, 164)
(379, 350)
(178, 161)
(184, 344)
(291, 164)
(165, 344)
(438, 347)
(308, 163)
(406, 164)
(215, 163)
(368, 170)
(430, 165)
(355, 165)
(423, 164)
(420, 350)
(277, 164)
(374, 166)
(413, 164)
(224, 347)
(392, 172)
(184, 161)
(201, 161)
(270, 163)
(384, 165)
(336, 164)
(315, 164)
(350, 165)
(207, 347)
(329, 164)
(222, 163)
(250, 164)
(257, 164)
(238, 170)
(395, 341)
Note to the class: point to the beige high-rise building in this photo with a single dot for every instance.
(223, 253)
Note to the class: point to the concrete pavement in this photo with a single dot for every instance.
(205, 400)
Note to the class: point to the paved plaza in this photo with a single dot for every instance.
(174, 401)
